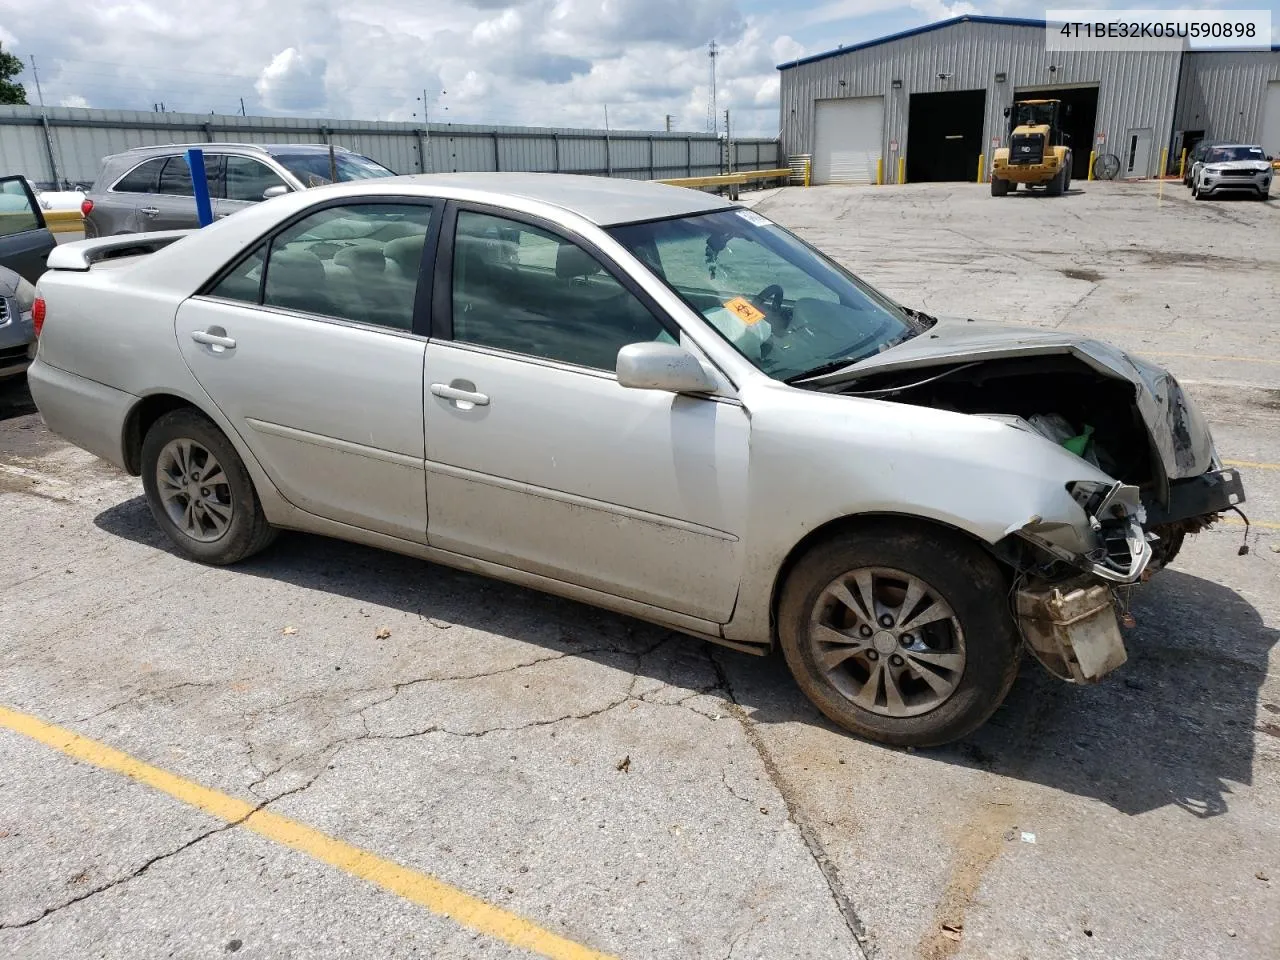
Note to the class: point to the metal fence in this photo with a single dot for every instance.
(65, 145)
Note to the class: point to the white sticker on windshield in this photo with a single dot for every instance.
(754, 218)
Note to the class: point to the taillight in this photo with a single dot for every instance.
(86, 207)
(37, 315)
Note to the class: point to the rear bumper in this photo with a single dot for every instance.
(1026, 172)
(89, 414)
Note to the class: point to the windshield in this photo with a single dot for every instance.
(313, 168)
(783, 306)
(1226, 154)
(1033, 115)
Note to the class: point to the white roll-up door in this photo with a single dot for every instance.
(848, 134)
(1271, 120)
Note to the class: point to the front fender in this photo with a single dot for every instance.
(818, 457)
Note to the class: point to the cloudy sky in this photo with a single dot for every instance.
(543, 62)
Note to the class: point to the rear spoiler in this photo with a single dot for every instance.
(82, 254)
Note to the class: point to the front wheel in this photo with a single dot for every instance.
(999, 188)
(199, 491)
(900, 634)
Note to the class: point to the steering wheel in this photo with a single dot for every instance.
(772, 297)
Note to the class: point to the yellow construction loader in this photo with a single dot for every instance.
(1037, 154)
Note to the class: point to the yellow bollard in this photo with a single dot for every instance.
(808, 166)
(902, 169)
(1093, 155)
(1182, 165)
(1164, 162)
(879, 171)
(982, 161)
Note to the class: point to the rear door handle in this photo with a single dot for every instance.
(150, 211)
(459, 396)
(215, 340)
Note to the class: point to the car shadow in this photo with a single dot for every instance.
(15, 398)
(1175, 725)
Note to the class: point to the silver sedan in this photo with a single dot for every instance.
(644, 398)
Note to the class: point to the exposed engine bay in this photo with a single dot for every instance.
(1139, 429)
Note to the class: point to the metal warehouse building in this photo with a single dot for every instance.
(935, 97)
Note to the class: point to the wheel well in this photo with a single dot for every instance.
(842, 526)
(145, 413)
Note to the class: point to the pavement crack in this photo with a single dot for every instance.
(143, 695)
(725, 780)
(158, 858)
(826, 866)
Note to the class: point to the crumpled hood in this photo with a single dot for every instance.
(1177, 428)
(1256, 166)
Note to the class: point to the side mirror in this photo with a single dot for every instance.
(279, 190)
(662, 366)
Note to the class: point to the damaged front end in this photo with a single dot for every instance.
(1156, 476)
(1069, 584)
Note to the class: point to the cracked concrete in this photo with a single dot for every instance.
(483, 741)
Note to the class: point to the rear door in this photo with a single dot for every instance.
(312, 345)
(173, 205)
(115, 210)
(25, 241)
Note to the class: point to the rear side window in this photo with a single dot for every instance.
(144, 178)
(358, 262)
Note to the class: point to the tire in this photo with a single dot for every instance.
(227, 514)
(953, 571)
(1166, 549)
(1054, 187)
(999, 188)
(1197, 193)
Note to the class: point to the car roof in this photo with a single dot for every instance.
(604, 201)
(267, 148)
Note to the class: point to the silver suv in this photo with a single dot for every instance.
(149, 188)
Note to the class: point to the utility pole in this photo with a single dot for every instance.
(606, 116)
(44, 122)
(242, 113)
(426, 136)
(668, 123)
(728, 143)
(713, 123)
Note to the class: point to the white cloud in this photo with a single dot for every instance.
(75, 100)
(293, 83)
(7, 39)
(540, 62)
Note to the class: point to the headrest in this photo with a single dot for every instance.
(573, 261)
(296, 268)
(361, 259)
(407, 252)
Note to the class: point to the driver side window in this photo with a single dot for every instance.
(522, 289)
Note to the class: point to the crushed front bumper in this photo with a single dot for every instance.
(1197, 498)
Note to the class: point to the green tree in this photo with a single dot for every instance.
(10, 90)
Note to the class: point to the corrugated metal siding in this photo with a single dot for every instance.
(1223, 93)
(82, 137)
(1136, 88)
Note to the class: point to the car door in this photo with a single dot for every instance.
(173, 205)
(25, 241)
(116, 209)
(308, 345)
(538, 459)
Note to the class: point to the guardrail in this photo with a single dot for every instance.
(63, 221)
(730, 180)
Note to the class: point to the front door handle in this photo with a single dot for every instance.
(218, 341)
(150, 211)
(465, 399)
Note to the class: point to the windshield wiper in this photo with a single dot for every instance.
(826, 368)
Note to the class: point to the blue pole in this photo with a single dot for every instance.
(200, 186)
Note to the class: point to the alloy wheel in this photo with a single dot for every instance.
(195, 490)
(887, 641)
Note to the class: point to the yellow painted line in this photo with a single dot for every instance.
(1251, 464)
(420, 888)
(1206, 356)
(1264, 524)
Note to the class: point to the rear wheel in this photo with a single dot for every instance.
(900, 634)
(199, 490)
(999, 187)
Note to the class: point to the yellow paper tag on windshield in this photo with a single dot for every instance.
(743, 309)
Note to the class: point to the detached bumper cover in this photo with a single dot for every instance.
(1202, 496)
